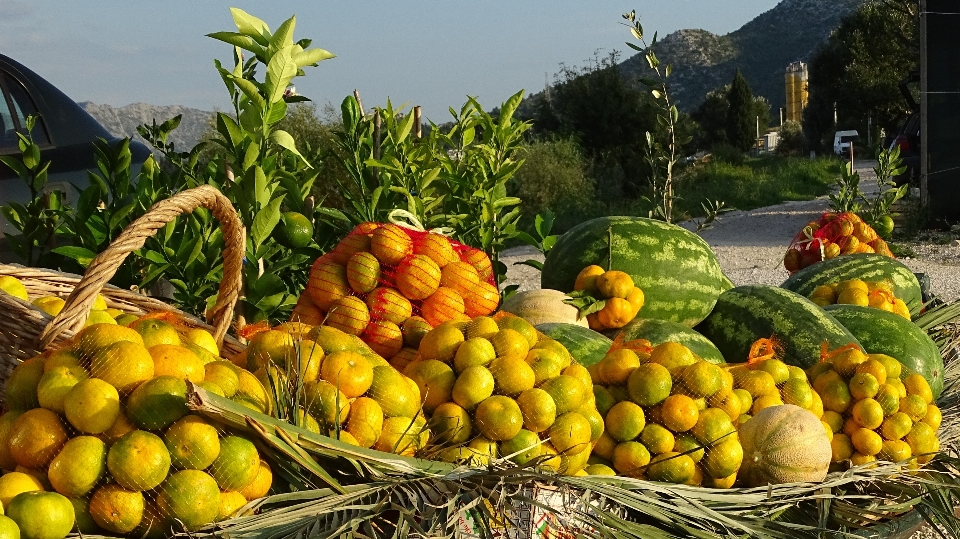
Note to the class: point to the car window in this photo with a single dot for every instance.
(19, 105)
(8, 137)
(848, 138)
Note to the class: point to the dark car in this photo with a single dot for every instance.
(907, 138)
(64, 131)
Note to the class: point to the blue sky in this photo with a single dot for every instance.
(432, 53)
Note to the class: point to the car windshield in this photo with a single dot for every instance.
(848, 138)
(14, 110)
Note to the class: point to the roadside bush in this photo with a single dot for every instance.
(792, 140)
(725, 153)
(756, 183)
(554, 176)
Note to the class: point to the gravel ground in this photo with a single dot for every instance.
(750, 246)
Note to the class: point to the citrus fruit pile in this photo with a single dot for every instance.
(764, 382)
(99, 432)
(834, 234)
(348, 391)
(875, 409)
(621, 299)
(388, 285)
(495, 387)
(668, 415)
(52, 305)
(879, 295)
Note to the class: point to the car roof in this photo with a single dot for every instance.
(847, 133)
(66, 121)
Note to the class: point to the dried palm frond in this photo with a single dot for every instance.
(374, 494)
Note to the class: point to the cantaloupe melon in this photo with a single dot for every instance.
(543, 306)
(783, 444)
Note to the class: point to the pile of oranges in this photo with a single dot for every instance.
(495, 387)
(669, 416)
(622, 300)
(879, 295)
(348, 391)
(833, 235)
(872, 413)
(385, 283)
(101, 426)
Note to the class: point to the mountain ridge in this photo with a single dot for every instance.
(123, 121)
(762, 49)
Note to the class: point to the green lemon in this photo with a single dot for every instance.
(294, 230)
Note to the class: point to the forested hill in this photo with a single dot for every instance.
(762, 49)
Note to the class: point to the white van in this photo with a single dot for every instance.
(842, 141)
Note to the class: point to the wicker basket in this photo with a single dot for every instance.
(25, 331)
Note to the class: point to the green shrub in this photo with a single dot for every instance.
(725, 153)
(757, 183)
(792, 140)
(554, 176)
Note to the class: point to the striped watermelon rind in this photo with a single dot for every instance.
(661, 331)
(865, 266)
(584, 344)
(881, 332)
(678, 272)
(747, 313)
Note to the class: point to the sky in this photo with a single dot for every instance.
(421, 52)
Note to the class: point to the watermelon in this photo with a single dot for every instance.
(678, 273)
(747, 313)
(882, 332)
(661, 331)
(584, 344)
(864, 266)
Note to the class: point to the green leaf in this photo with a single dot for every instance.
(120, 215)
(15, 165)
(278, 110)
(239, 40)
(250, 90)
(312, 57)
(250, 25)
(265, 221)
(155, 257)
(282, 38)
(82, 255)
(508, 108)
(229, 129)
(280, 71)
(286, 141)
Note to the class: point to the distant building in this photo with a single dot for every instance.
(796, 85)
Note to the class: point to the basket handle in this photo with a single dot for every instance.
(105, 265)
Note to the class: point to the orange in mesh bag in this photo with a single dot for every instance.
(332, 383)
(494, 387)
(384, 282)
(669, 415)
(104, 418)
(832, 235)
(876, 408)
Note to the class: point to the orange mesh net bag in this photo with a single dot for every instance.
(495, 389)
(672, 416)
(389, 284)
(332, 383)
(834, 234)
(102, 423)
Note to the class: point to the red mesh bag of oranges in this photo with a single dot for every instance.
(388, 284)
(832, 235)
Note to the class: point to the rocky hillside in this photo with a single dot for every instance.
(123, 121)
(762, 49)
